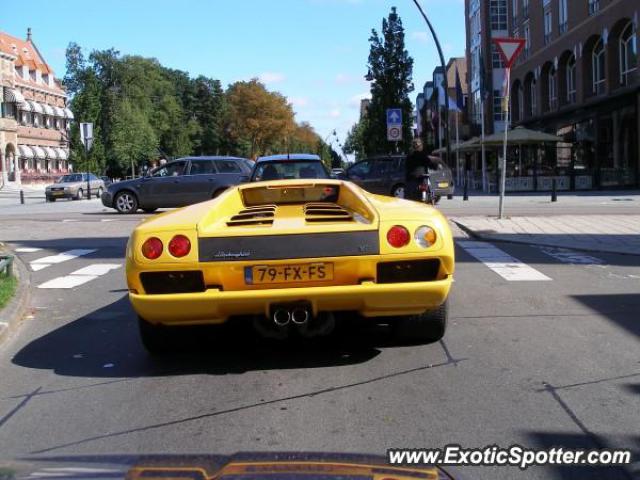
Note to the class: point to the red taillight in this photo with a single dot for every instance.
(398, 236)
(152, 248)
(179, 246)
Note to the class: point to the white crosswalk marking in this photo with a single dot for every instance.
(80, 277)
(508, 267)
(571, 257)
(27, 250)
(45, 262)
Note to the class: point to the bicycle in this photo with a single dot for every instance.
(426, 190)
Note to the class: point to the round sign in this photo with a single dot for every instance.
(395, 133)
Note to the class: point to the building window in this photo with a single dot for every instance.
(514, 12)
(527, 41)
(9, 110)
(533, 98)
(521, 103)
(547, 25)
(563, 17)
(498, 14)
(496, 58)
(628, 54)
(571, 80)
(525, 8)
(553, 90)
(25, 118)
(47, 121)
(498, 109)
(594, 7)
(598, 68)
(58, 123)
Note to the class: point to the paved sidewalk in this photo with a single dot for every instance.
(599, 233)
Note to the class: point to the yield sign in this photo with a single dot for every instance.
(509, 48)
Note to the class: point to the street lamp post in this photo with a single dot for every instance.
(446, 81)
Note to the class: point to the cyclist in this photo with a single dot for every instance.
(417, 165)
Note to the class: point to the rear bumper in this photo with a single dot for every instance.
(369, 299)
(56, 195)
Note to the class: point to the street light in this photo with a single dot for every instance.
(446, 81)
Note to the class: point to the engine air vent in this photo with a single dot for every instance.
(326, 212)
(260, 215)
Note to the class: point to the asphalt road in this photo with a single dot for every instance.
(540, 363)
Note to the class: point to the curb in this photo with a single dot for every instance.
(491, 238)
(13, 313)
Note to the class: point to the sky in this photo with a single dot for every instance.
(313, 51)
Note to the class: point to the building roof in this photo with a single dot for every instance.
(27, 54)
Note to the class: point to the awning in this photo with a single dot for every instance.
(25, 106)
(35, 106)
(62, 154)
(39, 152)
(48, 109)
(59, 112)
(25, 151)
(51, 153)
(521, 136)
(13, 96)
(68, 113)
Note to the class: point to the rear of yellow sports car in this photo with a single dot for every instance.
(290, 253)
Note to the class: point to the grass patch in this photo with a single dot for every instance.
(8, 286)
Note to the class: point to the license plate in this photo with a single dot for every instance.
(300, 273)
(58, 194)
(443, 184)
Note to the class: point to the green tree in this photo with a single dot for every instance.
(354, 143)
(391, 68)
(134, 140)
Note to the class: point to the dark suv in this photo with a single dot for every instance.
(386, 176)
(178, 183)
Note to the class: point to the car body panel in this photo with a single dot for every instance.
(223, 251)
(382, 174)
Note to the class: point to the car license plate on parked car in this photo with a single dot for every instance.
(297, 273)
(443, 184)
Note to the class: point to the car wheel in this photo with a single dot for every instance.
(79, 195)
(149, 210)
(437, 199)
(126, 202)
(398, 191)
(426, 327)
(155, 338)
(99, 194)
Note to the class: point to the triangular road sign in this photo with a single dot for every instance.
(509, 48)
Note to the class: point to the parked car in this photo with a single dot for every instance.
(107, 181)
(176, 184)
(75, 186)
(289, 167)
(386, 176)
(337, 171)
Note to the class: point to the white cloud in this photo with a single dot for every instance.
(421, 37)
(335, 113)
(299, 102)
(271, 77)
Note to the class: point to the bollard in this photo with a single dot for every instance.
(449, 197)
(554, 193)
(21, 197)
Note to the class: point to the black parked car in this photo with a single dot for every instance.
(386, 176)
(289, 167)
(178, 183)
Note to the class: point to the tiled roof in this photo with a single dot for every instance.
(27, 55)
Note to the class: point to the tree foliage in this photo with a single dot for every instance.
(391, 68)
(143, 111)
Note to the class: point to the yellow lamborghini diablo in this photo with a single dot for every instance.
(291, 254)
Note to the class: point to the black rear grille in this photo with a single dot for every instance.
(407, 272)
(261, 215)
(326, 212)
(157, 283)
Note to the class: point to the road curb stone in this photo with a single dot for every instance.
(14, 312)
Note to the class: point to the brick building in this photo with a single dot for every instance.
(578, 78)
(34, 118)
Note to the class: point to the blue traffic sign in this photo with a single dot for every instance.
(394, 116)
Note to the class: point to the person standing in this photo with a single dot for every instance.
(417, 164)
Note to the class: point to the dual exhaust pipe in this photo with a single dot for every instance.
(298, 315)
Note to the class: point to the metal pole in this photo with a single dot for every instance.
(21, 197)
(503, 177)
(444, 68)
(457, 147)
(484, 152)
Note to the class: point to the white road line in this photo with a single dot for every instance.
(45, 262)
(571, 257)
(508, 267)
(27, 250)
(67, 220)
(97, 269)
(80, 277)
(108, 220)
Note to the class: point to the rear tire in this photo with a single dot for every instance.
(436, 199)
(155, 338)
(126, 202)
(80, 194)
(426, 327)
